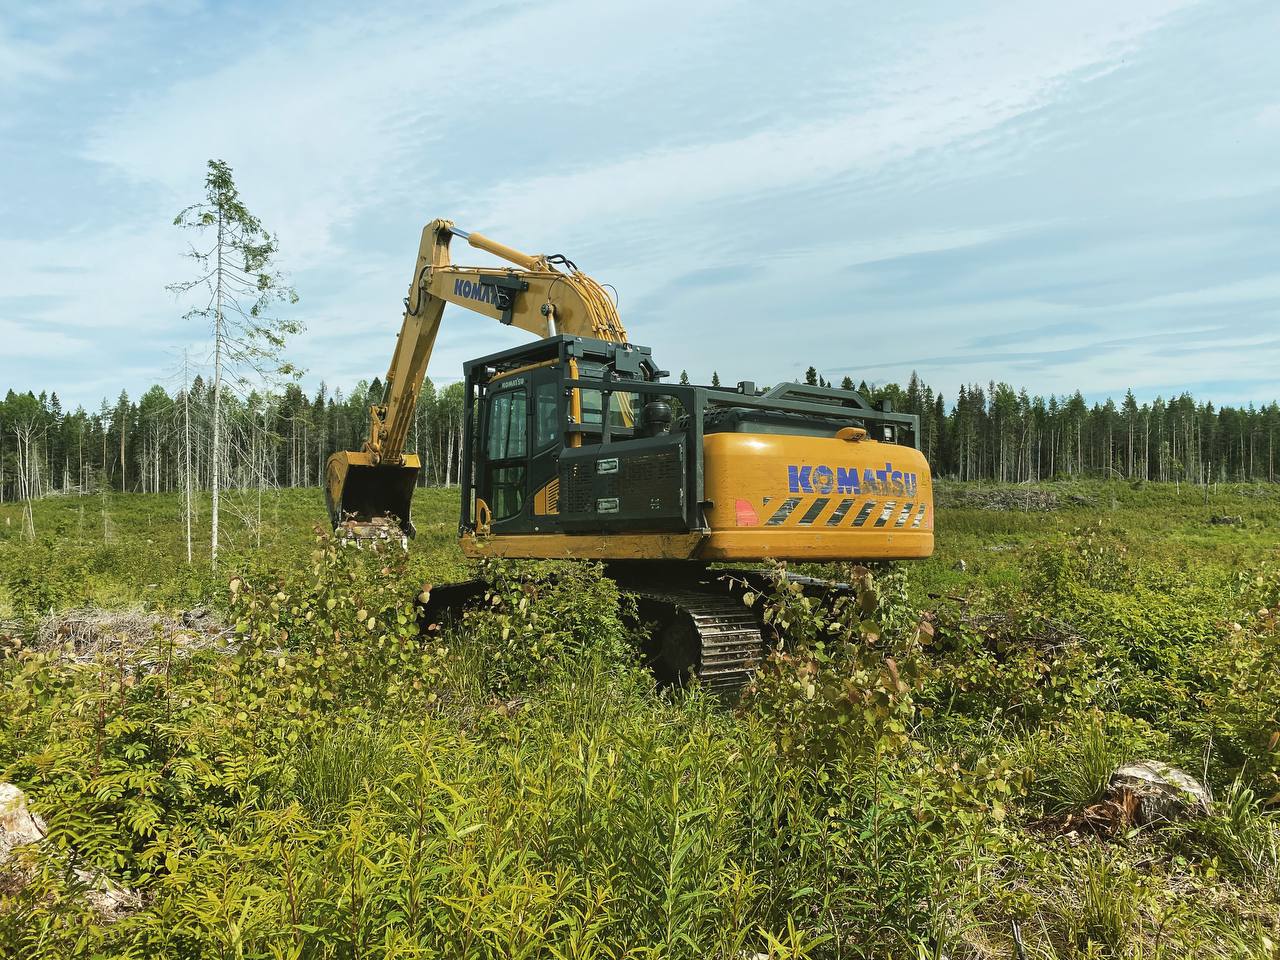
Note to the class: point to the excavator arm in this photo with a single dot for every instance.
(543, 295)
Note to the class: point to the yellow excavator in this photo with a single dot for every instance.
(574, 446)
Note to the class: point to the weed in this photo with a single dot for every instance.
(339, 764)
(342, 786)
(1083, 763)
(1240, 836)
(1109, 907)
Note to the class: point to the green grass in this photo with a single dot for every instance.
(1160, 522)
(122, 549)
(339, 787)
(130, 548)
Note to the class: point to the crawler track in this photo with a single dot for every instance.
(706, 633)
(696, 623)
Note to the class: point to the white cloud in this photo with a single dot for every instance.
(371, 111)
(962, 80)
(1269, 117)
(650, 142)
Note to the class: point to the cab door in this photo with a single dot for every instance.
(548, 422)
(505, 481)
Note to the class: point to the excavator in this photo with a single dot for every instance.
(576, 446)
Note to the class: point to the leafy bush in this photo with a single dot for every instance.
(340, 784)
(343, 637)
(45, 576)
(839, 684)
(1094, 557)
(537, 618)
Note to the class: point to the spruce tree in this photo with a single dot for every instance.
(236, 267)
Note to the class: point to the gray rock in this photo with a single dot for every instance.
(1160, 792)
(19, 827)
(20, 831)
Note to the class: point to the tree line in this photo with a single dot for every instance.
(279, 438)
(999, 432)
(283, 437)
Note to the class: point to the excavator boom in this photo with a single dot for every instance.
(545, 295)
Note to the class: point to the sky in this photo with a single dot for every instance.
(1061, 196)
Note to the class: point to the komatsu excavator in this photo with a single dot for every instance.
(575, 447)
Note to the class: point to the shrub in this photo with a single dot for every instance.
(342, 637)
(1094, 556)
(540, 617)
(838, 684)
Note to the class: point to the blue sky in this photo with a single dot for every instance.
(1063, 196)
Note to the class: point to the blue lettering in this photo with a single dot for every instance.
(798, 478)
(823, 479)
(847, 480)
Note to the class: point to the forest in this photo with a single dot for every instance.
(281, 438)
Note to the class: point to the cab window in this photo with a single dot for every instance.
(623, 405)
(546, 415)
(507, 441)
(622, 410)
(508, 415)
(592, 406)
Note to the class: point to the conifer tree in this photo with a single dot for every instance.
(236, 268)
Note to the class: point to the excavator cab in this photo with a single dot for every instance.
(535, 431)
(574, 447)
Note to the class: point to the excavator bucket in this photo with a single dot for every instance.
(367, 500)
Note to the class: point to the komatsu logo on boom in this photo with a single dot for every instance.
(824, 479)
(474, 291)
